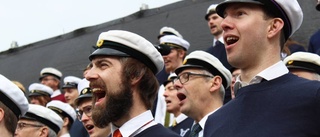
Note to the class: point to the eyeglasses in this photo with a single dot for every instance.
(184, 77)
(86, 110)
(22, 125)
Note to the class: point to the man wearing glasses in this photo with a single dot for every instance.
(84, 104)
(39, 121)
(201, 85)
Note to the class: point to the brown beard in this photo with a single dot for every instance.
(117, 105)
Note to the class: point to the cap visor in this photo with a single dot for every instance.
(301, 68)
(107, 52)
(82, 97)
(68, 86)
(35, 94)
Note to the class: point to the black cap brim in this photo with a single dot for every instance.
(107, 52)
(81, 98)
(318, 7)
(36, 94)
(302, 68)
(68, 86)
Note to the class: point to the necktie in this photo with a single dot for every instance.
(218, 43)
(167, 119)
(117, 133)
(174, 122)
(195, 130)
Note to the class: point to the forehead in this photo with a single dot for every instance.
(85, 102)
(169, 84)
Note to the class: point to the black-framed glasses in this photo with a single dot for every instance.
(184, 77)
(22, 125)
(86, 110)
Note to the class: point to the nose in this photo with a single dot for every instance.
(91, 74)
(177, 84)
(226, 24)
(33, 101)
(165, 94)
(84, 118)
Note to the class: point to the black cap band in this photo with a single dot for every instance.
(109, 45)
(292, 64)
(38, 92)
(61, 112)
(10, 104)
(70, 85)
(42, 120)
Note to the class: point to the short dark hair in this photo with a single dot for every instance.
(148, 84)
(10, 120)
(270, 14)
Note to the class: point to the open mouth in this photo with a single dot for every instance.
(181, 96)
(98, 93)
(168, 101)
(89, 127)
(231, 40)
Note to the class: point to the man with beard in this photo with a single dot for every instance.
(84, 104)
(124, 85)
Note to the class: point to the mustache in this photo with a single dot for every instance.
(97, 83)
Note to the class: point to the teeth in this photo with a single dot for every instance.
(96, 90)
(232, 38)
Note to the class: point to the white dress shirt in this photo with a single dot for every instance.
(136, 125)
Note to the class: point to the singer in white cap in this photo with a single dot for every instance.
(304, 64)
(217, 47)
(70, 89)
(124, 85)
(51, 77)
(173, 50)
(181, 123)
(13, 104)
(84, 111)
(40, 94)
(201, 82)
(269, 101)
(39, 121)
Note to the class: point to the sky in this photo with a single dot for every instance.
(29, 21)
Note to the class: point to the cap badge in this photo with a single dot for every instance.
(184, 62)
(84, 91)
(100, 43)
(290, 62)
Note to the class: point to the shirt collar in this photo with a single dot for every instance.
(276, 70)
(180, 118)
(214, 41)
(134, 124)
(202, 122)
